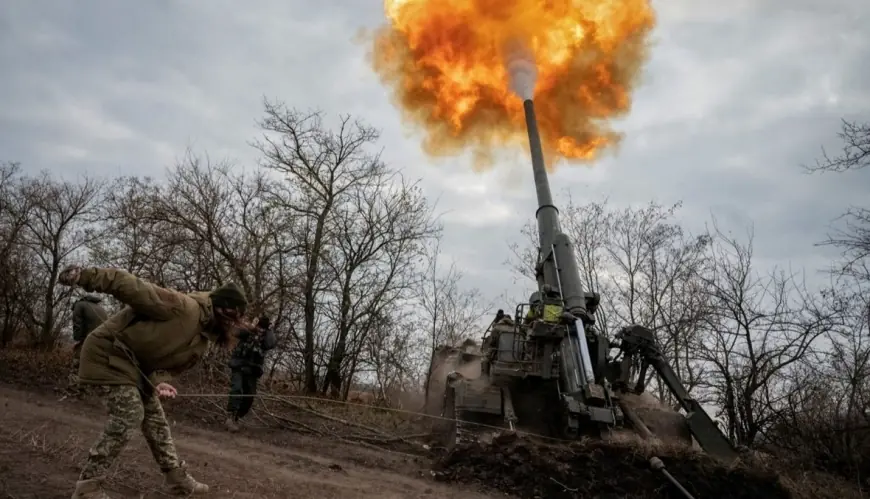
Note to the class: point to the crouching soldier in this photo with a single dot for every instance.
(246, 366)
(132, 356)
(87, 315)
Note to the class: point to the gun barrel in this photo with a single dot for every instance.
(557, 266)
(547, 213)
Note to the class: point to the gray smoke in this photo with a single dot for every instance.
(522, 70)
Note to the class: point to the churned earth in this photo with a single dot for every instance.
(602, 470)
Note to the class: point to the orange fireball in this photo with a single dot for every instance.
(445, 63)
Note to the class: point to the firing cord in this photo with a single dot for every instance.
(285, 398)
(654, 461)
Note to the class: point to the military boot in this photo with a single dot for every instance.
(181, 483)
(232, 424)
(90, 489)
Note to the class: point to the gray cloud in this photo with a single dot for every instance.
(734, 99)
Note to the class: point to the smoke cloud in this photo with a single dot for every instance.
(460, 69)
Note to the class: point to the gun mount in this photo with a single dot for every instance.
(547, 371)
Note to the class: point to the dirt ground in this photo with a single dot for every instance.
(295, 448)
(43, 442)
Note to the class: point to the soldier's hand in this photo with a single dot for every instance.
(70, 275)
(165, 390)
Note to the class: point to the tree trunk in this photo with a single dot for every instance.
(349, 379)
(310, 279)
(339, 352)
(333, 371)
(310, 379)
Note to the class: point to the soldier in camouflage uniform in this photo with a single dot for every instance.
(132, 357)
(87, 315)
(246, 365)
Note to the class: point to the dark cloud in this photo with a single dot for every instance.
(735, 98)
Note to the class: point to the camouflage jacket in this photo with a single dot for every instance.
(159, 334)
(250, 352)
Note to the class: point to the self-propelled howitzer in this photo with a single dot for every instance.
(561, 290)
(547, 370)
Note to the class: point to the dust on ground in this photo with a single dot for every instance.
(665, 423)
(43, 443)
(643, 400)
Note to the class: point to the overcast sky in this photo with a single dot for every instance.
(734, 100)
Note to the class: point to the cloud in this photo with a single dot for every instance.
(735, 97)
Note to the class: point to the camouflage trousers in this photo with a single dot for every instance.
(73, 387)
(128, 410)
(77, 354)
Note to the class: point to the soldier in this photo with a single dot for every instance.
(133, 355)
(498, 316)
(87, 315)
(535, 304)
(246, 365)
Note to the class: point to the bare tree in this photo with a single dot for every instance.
(226, 222)
(855, 154)
(59, 227)
(134, 239)
(199, 200)
(394, 353)
(852, 237)
(826, 421)
(447, 312)
(321, 166)
(379, 230)
(588, 227)
(646, 268)
(207, 225)
(15, 266)
(852, 234)
(761, 326)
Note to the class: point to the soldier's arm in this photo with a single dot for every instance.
(165, 376)
(78, 322)
(145, 298)
(158, 377)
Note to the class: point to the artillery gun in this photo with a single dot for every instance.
(548, 370)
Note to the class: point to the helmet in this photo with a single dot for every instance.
(535, 298)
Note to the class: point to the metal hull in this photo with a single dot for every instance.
(474, 406)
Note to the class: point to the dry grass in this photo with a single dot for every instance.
(35, 368)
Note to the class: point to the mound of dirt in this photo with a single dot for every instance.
(595, 469)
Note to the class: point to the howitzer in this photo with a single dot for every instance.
(559, 280)
(547, 370)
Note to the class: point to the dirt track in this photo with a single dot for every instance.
(43, 442)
